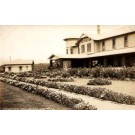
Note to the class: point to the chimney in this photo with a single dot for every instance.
(98, 29)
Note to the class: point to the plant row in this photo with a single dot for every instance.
(101, 93)
(61, 79)
(123, 73)
(99, 81)
(74, 103)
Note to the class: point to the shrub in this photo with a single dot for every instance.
(60, 79)
(51, 95)
(99, 81)
(101, 93)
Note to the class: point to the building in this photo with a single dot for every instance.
(18, 66)
(116, 49)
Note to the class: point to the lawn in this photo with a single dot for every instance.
(15, 98)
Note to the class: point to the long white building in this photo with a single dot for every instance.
(18, 66)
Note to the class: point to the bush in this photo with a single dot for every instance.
(60, 79)
(101, 93)
(51, 95)
(99, 81)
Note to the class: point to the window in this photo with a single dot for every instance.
(67, 51)
(9, 69)
(113, 44)
(20, 68)
(103, 46)
(89, 47)
(83, 49)
(125, 41)
(27, 67)
(71, 51)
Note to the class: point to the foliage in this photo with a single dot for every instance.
(100, 93)
(51, 95)
(99, 81)
(61, 79)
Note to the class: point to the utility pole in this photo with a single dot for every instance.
(98, 29)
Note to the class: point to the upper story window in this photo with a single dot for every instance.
(20, 68)
(71, 50)
(114, 43)
(9, 69)
(89, 47)
(126, 41)
(83, 49)
(103, 46)
(67, 51)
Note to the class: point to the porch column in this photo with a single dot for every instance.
(51, 63)
(105, 62)
(123, 61)
(115, 61)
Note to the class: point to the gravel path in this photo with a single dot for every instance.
(14, 98)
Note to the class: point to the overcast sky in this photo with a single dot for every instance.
(39, 42)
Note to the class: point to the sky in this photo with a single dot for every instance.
(37, 42)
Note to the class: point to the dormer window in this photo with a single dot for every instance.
(83, 49)
(89, 47)
(71, 50)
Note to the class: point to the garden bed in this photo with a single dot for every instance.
(99, 81)
(98, 92)
(51, 95)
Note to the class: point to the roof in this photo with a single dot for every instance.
(72, 38)
(99, 54)
(66, 56)
(114, 33)
(18, 62)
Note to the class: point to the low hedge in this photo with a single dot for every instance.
(51, 95)
(101, 93)
(99, 81)
(61, 79)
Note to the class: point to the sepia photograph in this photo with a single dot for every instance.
(67, 67)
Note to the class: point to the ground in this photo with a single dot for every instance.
(126, 87)
(15, 98)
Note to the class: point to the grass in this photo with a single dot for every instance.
(13, 98)
(51, 95)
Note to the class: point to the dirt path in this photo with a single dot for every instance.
(15, 98)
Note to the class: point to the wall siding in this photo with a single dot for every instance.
(15, 68)
(119, 43)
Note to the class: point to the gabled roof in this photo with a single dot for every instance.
(18, 62)
(114, 33)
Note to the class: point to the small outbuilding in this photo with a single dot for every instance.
(18, 66)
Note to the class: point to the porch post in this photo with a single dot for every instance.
(51, 63)
(123, 61)
(105, 62)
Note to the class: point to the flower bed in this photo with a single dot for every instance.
(74, 103)
(101, 93)
(99, 81)
(61, 79)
